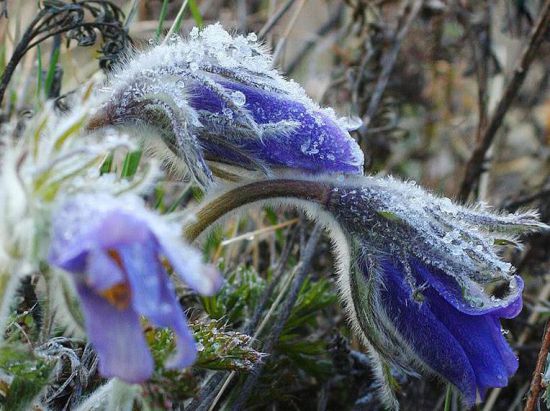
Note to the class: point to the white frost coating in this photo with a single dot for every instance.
(207, 57)
(212, 50)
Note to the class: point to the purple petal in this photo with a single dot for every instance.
(480, 336)
(154, 298)
(85, 223)
(467, 350)
(102, 271)
(143, 269)
(187, 263)
(117, 337)
(317, 144)
(427, 336)
(449, 289)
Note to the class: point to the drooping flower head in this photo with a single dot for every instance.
(116, 251)
(216, 97)
(426, 287)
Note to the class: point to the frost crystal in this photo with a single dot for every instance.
(217, 97)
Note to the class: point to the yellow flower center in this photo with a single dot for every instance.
(119, 295)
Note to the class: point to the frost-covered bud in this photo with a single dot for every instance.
(424, 284)
(216, 97)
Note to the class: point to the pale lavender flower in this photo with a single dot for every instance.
(116, 251)
(216, 97)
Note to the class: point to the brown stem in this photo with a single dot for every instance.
(313, 191)
(474, 167)
(536, 386)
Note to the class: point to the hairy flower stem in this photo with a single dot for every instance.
(257, 191)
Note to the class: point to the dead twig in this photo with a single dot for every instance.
(388, 62)
(536, 386)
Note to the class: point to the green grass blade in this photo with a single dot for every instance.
(162, 17)
(131, 163)
(196, 13)
(448, 399)
(107, 165)
(40, 80)
(51, 69)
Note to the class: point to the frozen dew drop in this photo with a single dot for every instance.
(252, 37)
(351, 123)
(194, 33)
(238, 98)
(173, 39)
(193, 66)
(200, 346)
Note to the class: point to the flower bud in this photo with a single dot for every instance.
(216, 97)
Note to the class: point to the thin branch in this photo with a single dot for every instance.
(536, 386)
(327, 27)
(474, 167)
(388, 62)
(274, 19)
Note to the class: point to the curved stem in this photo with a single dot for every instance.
(314, 191)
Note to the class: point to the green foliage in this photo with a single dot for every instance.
(313, 297)
(238, 299)
(224, 350)
(131, 163)
(196, 13)
(162, 17)
(23, 377)
(218, 349)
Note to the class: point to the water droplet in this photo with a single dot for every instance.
(238, 98)
(351, 123)
(173, 39)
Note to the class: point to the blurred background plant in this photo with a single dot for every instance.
(423, 81)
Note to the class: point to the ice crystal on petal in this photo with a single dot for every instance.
(404, 220)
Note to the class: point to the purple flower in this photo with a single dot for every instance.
(435, 328)
(216, 97)
(116, 252)
(425, 286)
